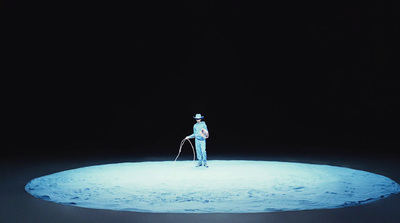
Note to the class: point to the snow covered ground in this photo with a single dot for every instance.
(226, 187)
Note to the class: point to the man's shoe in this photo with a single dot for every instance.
(199, 164)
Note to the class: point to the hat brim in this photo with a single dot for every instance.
(198, 118)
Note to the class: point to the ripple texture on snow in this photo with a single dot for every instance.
(225, 187)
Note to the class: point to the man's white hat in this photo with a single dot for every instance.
(198, 116)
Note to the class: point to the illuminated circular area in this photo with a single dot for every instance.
(224, 187)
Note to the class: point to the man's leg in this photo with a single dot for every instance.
(198, 152)
(204, 153)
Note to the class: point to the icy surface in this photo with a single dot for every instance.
(227, 187)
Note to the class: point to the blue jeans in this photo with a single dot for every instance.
(201, 150)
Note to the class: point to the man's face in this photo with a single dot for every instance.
(198, 120)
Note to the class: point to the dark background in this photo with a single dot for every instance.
(88, 78)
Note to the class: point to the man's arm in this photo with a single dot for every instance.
(204, 135)
(205, 126)
(191, 136)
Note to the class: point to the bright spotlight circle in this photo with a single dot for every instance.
(224, 187)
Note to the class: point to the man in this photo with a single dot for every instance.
(200, 133)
